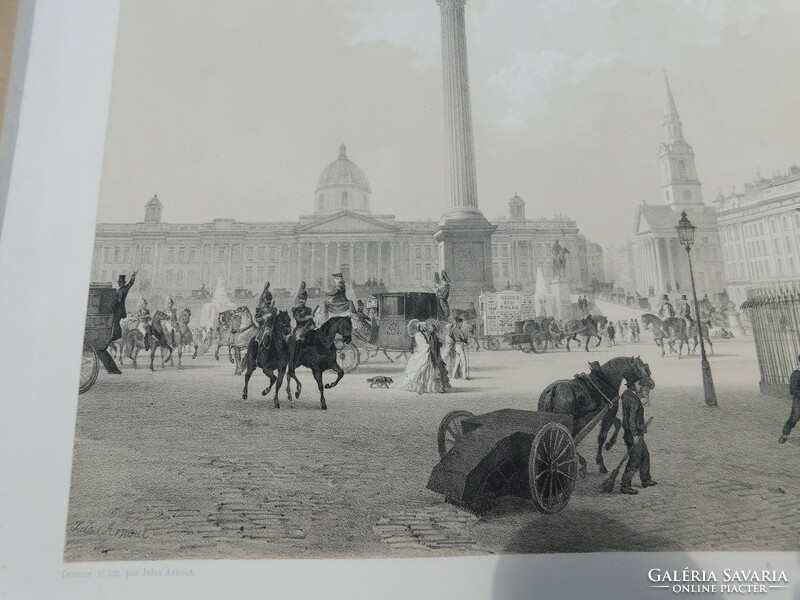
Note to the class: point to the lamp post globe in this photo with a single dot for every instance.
(686, 236)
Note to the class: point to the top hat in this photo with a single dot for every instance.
(121, 279)
(337, 275)
(683, 297)
(665, 297)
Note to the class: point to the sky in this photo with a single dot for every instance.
(232, 110)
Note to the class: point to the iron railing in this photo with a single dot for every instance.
(774, 313)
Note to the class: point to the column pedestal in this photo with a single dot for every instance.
(465, 252)
(562, 304)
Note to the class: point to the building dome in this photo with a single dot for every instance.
(516, 209)
(342, 185)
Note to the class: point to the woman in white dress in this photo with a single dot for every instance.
(422, 374)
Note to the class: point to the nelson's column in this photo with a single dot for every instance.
(464, 235)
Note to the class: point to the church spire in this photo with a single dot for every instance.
(673, 128)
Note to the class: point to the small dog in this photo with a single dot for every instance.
(381, 381)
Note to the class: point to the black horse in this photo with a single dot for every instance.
(270, 357)
(586, 395)
(319, 352)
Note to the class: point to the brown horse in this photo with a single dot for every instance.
(133, 341)
(674, 329)
(585, 396)
(589, 327)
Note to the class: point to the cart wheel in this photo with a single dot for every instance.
(349, 357)
(450, 431)
(552, 468)
(493, 343)
(90, 367)
(538, 342)
(525, 347)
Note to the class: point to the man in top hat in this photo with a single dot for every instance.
(794, 416)
(685, 312)
(119, 311)
(442, 294)
(634, 429)
(459, 367)
(666, 310)
(303, 319)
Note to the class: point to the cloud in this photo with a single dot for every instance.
(413, 26)
(523, 53)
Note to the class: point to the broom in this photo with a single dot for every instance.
(608, 484)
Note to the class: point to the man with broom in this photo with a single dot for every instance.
(634, 429)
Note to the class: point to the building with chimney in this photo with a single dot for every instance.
(760, 233)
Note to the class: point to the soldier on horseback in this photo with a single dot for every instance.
(303, 318)
(169, 326)
(265, 310)
(143, 320)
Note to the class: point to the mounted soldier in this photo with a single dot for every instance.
(265, 310)
(143, 320)
(119, 311)
(304, 320)
(442, 295)
(169, 326)
(666, 310)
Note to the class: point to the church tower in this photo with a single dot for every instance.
(680, 185)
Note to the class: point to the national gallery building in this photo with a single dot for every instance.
(342, 235)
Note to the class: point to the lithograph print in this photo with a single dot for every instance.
(442, 278)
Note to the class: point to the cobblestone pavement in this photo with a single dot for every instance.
(173, 464)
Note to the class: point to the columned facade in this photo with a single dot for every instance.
(660, 261)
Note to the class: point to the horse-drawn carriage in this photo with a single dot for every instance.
(534, 335)
(386, 327)
(98, 331)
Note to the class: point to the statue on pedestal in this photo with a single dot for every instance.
(559, 260)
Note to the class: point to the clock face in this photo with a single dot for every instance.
(686, 195)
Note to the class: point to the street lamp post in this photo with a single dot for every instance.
(686, 237)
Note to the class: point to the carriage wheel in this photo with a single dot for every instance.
(493, 343)
(538, 342)
(90, 367)
(450, 430)
(349, 357)
(525, 347)
(552, 468)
